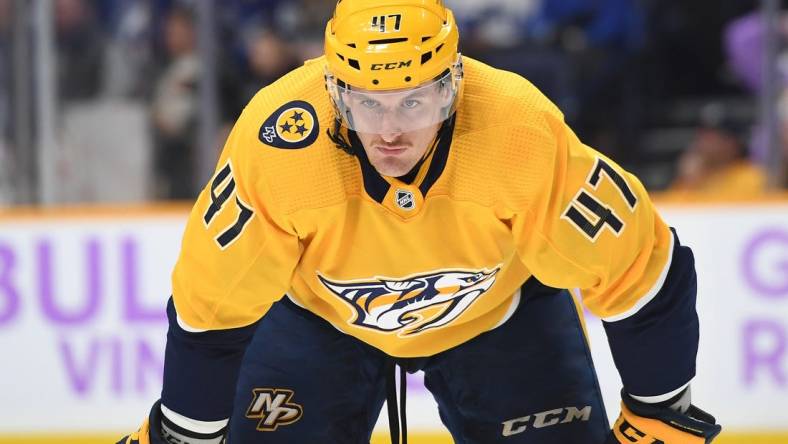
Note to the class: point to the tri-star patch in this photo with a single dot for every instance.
(293, 126)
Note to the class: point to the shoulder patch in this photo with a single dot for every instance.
(293, 126)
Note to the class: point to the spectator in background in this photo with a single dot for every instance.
(716, 162)
(269, 58)
(612, 24)
(493, 23)
(302, 24)
(744, 44)
(602, 40)
(686, 56)
(80, 51)
(174, 108)
(130, 25)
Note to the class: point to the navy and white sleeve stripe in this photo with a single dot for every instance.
(201, 369)
(655, 344)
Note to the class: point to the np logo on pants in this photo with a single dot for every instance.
(272, 407)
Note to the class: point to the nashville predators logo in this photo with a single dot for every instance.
(292, 126)
(273, 408)
(412, 305)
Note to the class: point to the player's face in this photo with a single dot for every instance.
(396, 153)
(396, 129)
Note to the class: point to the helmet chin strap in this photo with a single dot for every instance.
(339, 139)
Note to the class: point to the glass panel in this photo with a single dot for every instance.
(6, 136)
(146, 90)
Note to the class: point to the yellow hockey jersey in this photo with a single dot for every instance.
(414, 268)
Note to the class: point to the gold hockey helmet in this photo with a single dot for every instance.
(379, 52)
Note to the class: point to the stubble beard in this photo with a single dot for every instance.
(392, 166)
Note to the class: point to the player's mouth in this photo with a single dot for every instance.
(392, 150)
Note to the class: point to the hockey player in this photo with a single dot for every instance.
(394, 202)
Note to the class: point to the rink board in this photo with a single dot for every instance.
(82, 325)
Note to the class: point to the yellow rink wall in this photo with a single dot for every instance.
(415, 438)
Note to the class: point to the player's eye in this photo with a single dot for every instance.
(370, 104)
(411, 103)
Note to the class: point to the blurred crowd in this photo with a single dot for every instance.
(668, 88)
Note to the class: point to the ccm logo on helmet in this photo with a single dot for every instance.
(546, 419)
(391, 66)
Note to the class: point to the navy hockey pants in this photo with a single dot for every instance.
(531, 380)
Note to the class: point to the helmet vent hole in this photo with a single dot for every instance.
(438, 48)
(341, 57)
(375, 81)
(352, 45)
(354, 63)
(426, 57)
(424, 39)
(407, 79)
(388, 41)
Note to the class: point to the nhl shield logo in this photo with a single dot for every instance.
(405, 200)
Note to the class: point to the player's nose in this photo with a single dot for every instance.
(390, 137)
(390, 128)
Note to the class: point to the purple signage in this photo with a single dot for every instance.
(756, 278)
(765, 339)
(95, 292)
(128, 363)
(133, 310)
(765, 344)
(130, 366)
(46, 284)
(9, 297)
